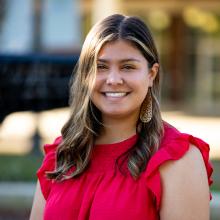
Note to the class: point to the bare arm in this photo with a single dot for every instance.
(185, 188)
(38, 204)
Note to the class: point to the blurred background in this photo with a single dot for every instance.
(40, 41)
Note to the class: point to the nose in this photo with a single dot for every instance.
(114, 78)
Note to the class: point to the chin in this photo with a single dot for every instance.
(112, 113)
(117, 114)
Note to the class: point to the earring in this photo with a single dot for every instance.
(146, 108)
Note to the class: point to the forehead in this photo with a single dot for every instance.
(119, 49)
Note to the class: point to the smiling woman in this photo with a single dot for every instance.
(122, 81)
(117, 158)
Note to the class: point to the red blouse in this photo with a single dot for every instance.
(100, 193)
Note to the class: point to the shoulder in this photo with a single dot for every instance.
(183, 147)
(188, 157)
(180, 159)
(185, 187)
(191, 163)
(48, 164)
(171, 133)
(51, 148)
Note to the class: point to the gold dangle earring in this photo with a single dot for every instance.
(146, 108)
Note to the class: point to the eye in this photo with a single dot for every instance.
(102, 67)
(128, 67)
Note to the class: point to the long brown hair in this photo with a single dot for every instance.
(84, 124)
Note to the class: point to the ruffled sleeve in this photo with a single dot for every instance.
(173, 148)
(48, 164)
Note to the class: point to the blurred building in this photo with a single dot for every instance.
(187, 34)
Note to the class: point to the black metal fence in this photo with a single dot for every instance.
(34, 82)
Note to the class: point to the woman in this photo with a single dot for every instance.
(117, 159)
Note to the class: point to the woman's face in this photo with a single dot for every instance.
(122, 80)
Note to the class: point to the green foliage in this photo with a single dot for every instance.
(216, 175)
(19, 168)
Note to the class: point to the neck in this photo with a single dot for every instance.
(116, 129)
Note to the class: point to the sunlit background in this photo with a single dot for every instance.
(40, 41)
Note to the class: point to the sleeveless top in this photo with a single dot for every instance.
(102, 192)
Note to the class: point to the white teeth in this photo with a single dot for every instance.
(115, 94)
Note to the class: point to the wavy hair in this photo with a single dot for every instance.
(84, 124)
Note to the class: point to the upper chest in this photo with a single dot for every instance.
(100, 196)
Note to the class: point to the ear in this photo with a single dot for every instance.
(153, 73)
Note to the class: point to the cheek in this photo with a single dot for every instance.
(141, 82)
(95, 90)
(146, 80)
(96, 87)
(98, 82)
(142, 88)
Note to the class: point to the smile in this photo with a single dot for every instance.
(115, 94)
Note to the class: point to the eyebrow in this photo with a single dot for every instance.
(121, 61)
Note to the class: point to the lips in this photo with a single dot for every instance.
(115, 94)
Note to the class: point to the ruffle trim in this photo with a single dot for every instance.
(48, 164)
(174, 150)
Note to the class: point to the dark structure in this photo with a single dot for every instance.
(34, 82)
